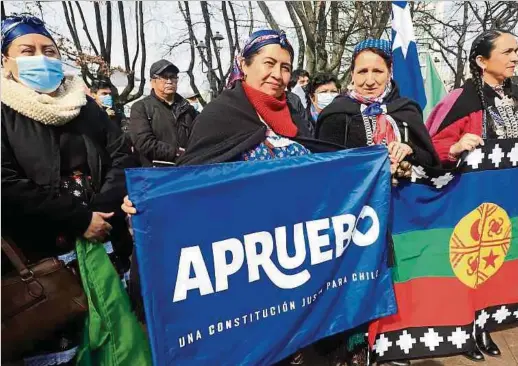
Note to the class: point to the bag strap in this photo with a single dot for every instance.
(16, 257)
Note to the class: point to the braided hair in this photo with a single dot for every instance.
(483, 45)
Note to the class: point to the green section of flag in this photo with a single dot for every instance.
(433, 86)
(425, 253)
(112, 335)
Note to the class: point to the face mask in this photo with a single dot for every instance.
(324, 99)
(40, 73)
(197, 106)
(107, 100)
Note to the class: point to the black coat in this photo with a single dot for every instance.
(33, 210)
(158, 130)
(341, 123)
(229, 126)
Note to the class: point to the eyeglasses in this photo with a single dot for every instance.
(171, 78)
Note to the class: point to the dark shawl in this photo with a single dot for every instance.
(341, 123)
(229, 126)
(469, 102)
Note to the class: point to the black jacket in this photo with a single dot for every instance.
(341, 123)
(159, 130)
(298, 108)
(33, 210)
(229, 126)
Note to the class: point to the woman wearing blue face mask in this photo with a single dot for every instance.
(62, 164)
(322, 89)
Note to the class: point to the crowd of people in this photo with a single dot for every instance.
(64, 152)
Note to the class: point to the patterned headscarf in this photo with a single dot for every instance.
(20, 25)
(257, 40)
(379, 44)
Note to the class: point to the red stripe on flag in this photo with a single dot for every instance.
(445, 301)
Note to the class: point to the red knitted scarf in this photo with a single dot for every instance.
(273, 111)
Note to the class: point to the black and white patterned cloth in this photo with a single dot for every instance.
(423, 342)
(495, 154)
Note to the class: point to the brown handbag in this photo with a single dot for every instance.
(37, 300)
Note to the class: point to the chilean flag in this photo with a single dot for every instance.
(407, 71)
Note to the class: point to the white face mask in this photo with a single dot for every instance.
(324, 99)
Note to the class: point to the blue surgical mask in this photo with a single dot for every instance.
(107, 100)
(324, 99)
(41, 73)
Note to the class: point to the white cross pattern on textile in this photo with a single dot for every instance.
(458, 338)
(442, 181)
(482, 319)
(418, 173)
(402, 25)
(513, 155)
(501, 314)
(497, 155)
(474, 158)
(431, 339)
(406, 342)
(382, 345)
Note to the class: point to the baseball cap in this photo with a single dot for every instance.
(160, 66)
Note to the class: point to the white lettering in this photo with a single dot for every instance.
(372, 234)
(201, 280)
(263, 259)
(343, 237)
(316, 241)
(224, 269)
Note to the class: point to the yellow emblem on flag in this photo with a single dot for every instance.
(479, 244)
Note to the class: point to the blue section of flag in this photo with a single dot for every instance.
(420, 207)
(253, 317)
(406, 68)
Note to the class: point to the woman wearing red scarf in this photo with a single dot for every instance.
(252, 119)
(374, 113)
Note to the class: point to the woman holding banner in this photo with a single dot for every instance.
(374, 113)
(252, 119)
(486, 107)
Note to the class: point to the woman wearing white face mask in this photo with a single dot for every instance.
(323, 88)
(62, 164)
(374, 113)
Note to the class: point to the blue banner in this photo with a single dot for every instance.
(245, 263)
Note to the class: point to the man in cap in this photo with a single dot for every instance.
(160, 124)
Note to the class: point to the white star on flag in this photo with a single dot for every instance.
(431, 339)
(482, 319)
(382, 345)
(513, 155)
(458, 338)
(474, 158)
(496, 156)
(442, 181)
(418, 173)
(402, 25)
(501, 314)
(406, 342)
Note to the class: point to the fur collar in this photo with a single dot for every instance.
(50, 110)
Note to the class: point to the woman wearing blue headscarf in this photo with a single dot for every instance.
(373, 112)
(63, 164)
(252, 119)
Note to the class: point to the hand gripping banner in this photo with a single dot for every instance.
(245, 263)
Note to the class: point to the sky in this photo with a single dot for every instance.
(163, 25)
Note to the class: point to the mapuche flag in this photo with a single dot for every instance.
(456, 256)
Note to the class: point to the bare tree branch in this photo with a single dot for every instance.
(268, 15)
